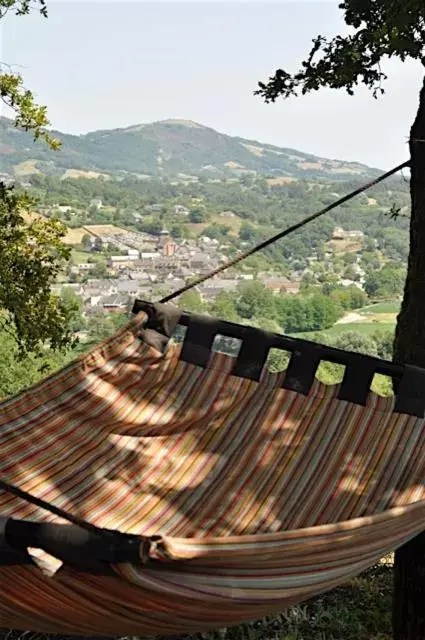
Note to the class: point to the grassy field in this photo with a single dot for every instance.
(234, 222)
(74, 236)
(367, 321)
(392, 306)
(79, 257)
(26, 168)
(365, 328)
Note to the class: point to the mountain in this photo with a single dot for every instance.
(166, 148)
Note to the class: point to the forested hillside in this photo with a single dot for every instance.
(166, 148)
(245, 211)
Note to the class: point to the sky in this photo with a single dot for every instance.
(109, 64)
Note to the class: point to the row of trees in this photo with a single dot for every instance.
(252, 302)
(17, 373)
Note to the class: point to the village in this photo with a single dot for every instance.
(136, 264)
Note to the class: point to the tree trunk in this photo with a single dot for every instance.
(409, 347)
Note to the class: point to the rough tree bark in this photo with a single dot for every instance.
(409, 347)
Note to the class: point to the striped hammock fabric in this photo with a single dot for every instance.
(244, 491)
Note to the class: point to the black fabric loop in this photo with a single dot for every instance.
(355, 386)
(410, 394)
(301, 370)
(252, 355)
(198, 341)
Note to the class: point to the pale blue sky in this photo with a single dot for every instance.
(104, 64)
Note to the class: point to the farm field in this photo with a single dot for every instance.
(79, 257)
(234, 222)
(393, 306)
(365, 328)
(366, 321)
(99, 229)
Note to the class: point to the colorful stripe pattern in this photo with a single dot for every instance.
(262, 497)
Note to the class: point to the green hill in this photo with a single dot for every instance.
(166, 148)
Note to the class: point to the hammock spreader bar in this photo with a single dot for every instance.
(76, 547)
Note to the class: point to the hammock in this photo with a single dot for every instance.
(204, 491)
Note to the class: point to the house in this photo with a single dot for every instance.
(139, 275)
(167, 264)
(82, 266)
(63, 208)
(354, 235)
(114, 303)
(96, 202)
(173, 284)
(183, 272)
(121, 262)
(340, 234)
(213, 288)
(282, 285)
(128, 286)
(344, 282)
(154, 207)
(98, 288)
(169, 248)
(149, 256)
(245, 276)
(201, 261)
(181, 210)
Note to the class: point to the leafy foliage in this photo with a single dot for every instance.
(22, 7)
(31, 254)
(387, 282)
(19, 372)
(255, 304)
(379, 29)
(30, 117)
